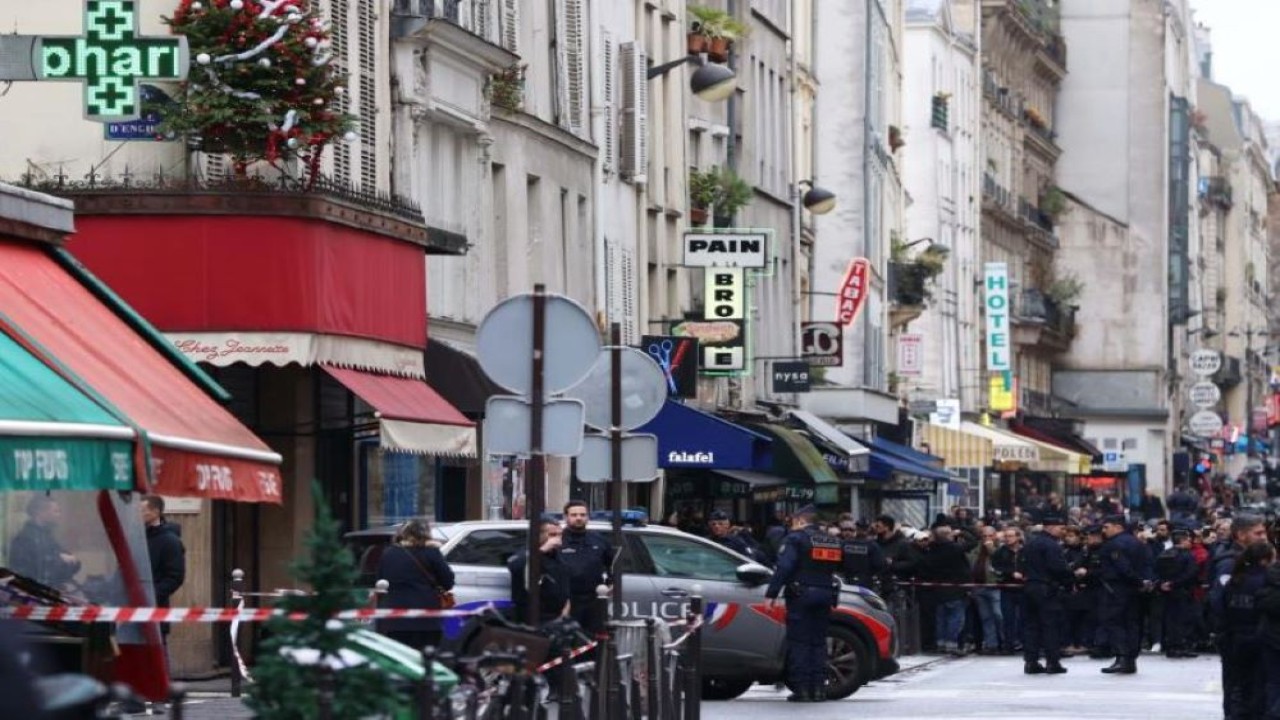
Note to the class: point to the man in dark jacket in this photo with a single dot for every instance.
(721, 531)
(945, 562)
(1177, 574)
(553, 588)
(1183, 506)
(1046, 572)
(589, 558)
(164, 546)
(1124, 573)
(35, 551)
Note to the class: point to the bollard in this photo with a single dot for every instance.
(652, 664)
(427, 688)
(177, 698)
(569, 705)
(693, 650)
(237, 588)
(606, 695)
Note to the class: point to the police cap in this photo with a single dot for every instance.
(1053, 519)
(808, 511)
(717, 515)
(1180, 534)
(1114, 520)
(1093, 530)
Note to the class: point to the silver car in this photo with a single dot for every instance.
(744, 643)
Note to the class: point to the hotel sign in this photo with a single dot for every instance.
(111, 59)
(996, 302)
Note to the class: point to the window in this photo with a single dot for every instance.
(683, 558)
(491, 548)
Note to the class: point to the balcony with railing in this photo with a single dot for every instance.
(1038, 222)
(1216, 191)
(1003, 98)
(478, 17)
(1039, 320)
(908, 291)
(998, 199)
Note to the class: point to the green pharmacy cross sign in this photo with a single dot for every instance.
(111, 59)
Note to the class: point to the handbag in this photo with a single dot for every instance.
(447, 600)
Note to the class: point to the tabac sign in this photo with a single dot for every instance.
(111, 59)
(853, 291)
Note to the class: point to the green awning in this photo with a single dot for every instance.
(52, 435)
(795, 457)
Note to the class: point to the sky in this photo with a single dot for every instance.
(1246, 52)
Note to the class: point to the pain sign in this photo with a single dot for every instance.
(725, 250)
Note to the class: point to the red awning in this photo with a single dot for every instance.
(198, 448)
(412, 416)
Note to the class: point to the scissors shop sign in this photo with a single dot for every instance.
(678, 358)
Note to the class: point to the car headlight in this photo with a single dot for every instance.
(875, 601)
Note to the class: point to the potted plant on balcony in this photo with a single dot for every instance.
(734, 194)
(715, 30)
(1053, 202)
(704, 193)
(506, 88)
(895, 138)
(1065, 290)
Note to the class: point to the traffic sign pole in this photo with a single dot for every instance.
(615, 460)
(534, 493)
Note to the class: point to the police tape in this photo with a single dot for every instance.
(575, 653)
(994, 586)
(101, 614)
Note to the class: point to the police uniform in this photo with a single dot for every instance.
(807, 563)
(1124, 573)
(862, 561)
(1045, 571)
(588, 557)
(737, 542)
(1177, 567)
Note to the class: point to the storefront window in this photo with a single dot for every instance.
(397, 486)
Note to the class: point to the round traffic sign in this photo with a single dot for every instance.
(1204, 394)
(1205, 361)
(504, 344)
(1205, 423)
(644, 389)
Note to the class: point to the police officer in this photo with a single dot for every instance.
(863, 562)
(722, 533)
(1176, 573)
(1124, 573)
(807, 563)
(589, 558)
(1045, 571)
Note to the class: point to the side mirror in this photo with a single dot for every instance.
(753, 574)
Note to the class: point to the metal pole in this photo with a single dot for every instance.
(615, 461)
(1248, 399)
(606, 694)
(427, 688)
(237, 590)
(534, 486)
(693, 651)
(652, 649)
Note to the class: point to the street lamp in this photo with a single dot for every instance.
(710, 82)
(817, 200)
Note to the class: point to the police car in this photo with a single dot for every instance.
(744, 641)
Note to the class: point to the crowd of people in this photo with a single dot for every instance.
(1050, 581)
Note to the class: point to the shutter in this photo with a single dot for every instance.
(481, 23)
(340, 36)
(575, 68)
(615, 308)
(368, 97)
(560, 73)
(628, 285)
(608, 143)
(511, 25)
(635, 113)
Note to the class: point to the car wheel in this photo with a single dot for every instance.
(848, 661)
(714, 688)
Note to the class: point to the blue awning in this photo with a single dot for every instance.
(906, 453)
(690, 438)
(885, 463)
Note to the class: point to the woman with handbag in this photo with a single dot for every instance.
(418, 577)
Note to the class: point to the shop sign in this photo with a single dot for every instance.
(1205, 362)
(1205, 423)
(910, 355)
(722, 343)
(853, 291)
(723, 294)
(910, 484)
(791, 377)
(1017, 453)
(110, 59)
(682, 457)
(1204, 394)
(723, 250)
(947, 414)
(996, 284)
(786, 493)
(822, 344)
(1003, 393)
(678, 358)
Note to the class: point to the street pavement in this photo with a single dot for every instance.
(994, 687)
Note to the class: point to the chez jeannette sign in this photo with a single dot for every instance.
(110, 59)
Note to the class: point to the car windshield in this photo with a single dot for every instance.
(675, 556)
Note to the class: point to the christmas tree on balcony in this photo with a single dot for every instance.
(262, 85)
(303, 659)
